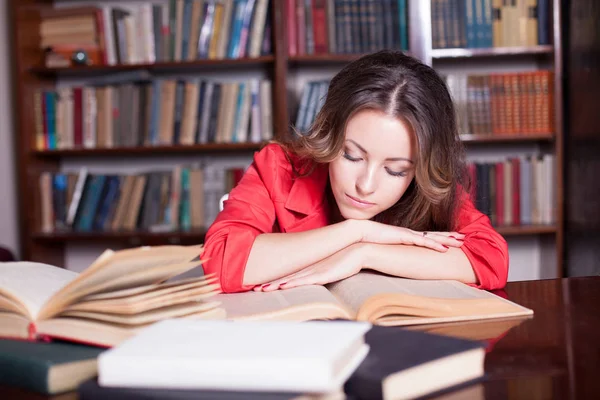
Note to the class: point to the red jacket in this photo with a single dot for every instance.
(270, 199)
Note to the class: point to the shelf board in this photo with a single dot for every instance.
(151, 150)
(324, 58)
(125, 237)
(197, 236)
(152, 67)
(507, 138)
(522, 230)
(492, 52)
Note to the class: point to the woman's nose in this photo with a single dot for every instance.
(366, 184)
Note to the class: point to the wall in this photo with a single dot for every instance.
(8, 205)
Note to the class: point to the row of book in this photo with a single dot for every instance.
(184, 198)
(515, 191)
(346, 26)
(490, 23)
(157, 112)
(313, 97)
(507, 103)
(171, 30)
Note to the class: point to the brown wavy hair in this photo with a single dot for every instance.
(402, 87)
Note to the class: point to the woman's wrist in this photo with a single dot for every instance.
(355, 229)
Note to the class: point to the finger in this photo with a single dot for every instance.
(455, 235)
(446, 240)
(308, 279)
(425, 241)
(274, 285)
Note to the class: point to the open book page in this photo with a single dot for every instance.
(106, 334)
(388, 299)
(155, 288)
(125, 269)
(13, 325)
(297, 304)
(32, 284)
(154, 315)
(144, 301)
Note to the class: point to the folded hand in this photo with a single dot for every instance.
(343, 264)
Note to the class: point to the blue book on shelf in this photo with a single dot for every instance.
(543, 22)
(92, 194)
(236, 28)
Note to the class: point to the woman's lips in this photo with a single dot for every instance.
(358, 202)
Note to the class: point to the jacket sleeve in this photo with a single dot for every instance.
(248, 212)
(485, 248)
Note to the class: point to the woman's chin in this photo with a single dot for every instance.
(349, 213)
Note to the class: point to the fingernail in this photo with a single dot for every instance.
(444, 246)
(455, 238)
(281, 284)
(265, 286)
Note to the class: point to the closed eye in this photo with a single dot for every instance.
(394, 173)
(350, 158)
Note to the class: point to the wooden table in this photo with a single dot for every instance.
(554, 355)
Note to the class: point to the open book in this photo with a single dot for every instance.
(121, 292)
(376, 298)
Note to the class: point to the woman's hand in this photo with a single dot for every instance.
(376, 232)
(343, 264)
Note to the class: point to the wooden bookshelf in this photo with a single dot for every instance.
(134, 238)
(522, 230)
(323, 58)
(151, 150)
(506, 138)
(144, 237)
(492, 52)
(159, 67)
(279, 67)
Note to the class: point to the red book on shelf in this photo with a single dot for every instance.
(499, 200)
(301, 25)
(292, 28)
(319, 15)
(516, 194)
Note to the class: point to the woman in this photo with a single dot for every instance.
(377, 183)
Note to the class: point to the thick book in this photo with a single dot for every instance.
(377, 298)
(404, 364)
(48, 368)
(311, 357)
(400, 364)
(112, 299)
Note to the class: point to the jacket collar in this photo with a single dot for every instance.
(308, 193)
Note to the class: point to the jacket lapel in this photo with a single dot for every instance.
(307, 200)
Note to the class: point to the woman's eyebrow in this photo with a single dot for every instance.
(387, 159)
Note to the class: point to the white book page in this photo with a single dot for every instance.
(256, 304)
(33, 283)
(354, 291)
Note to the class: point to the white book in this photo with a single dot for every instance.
(307, 357)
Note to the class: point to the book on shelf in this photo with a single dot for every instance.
(513, 104)
(184, 198)
(345, 27)
(490, 23)
(112, 299)
(516, 191)
(148, 111)
(376, 298)
(171, 31)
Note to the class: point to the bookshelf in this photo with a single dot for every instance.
(282, 69)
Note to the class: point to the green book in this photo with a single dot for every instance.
(46, 367)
